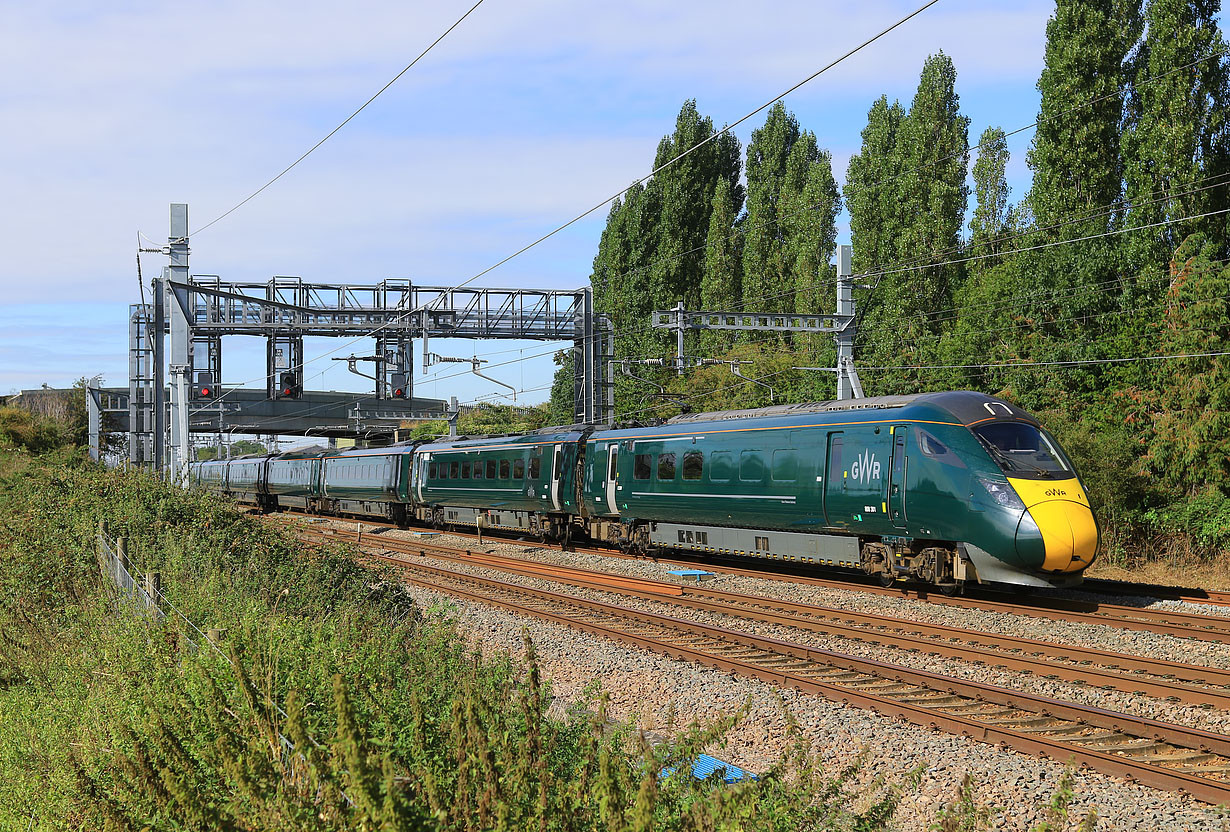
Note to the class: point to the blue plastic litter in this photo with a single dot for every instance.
(689, 573)
(705, 766)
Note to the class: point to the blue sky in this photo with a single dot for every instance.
(525, 115)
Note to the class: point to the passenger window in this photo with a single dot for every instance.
(640, 471)
(666, 467)
(535, 467)
(504, 469)
(721, 467)
(519, 469)
(454, 470)
(465, 470)
(478, 469)
(785, 466)
(751, 466)
(693, 465)
(491, 469)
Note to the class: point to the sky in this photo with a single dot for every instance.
(527, 114)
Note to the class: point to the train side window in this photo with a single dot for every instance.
(519, 469)
(465, 470)
(785, 466)
(454, 470)
(693, 465)
(932, 447)
(614, 463)
(491, 469)
(504, 467)
(478, 469)
(666, 467)
(535, 467)
(721, 467)
(751, 466)
(640, 471)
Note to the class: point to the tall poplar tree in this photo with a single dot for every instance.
(686, 190)
(720, 287)
(1177, 134)
(990, 219)
(785, 169)
(1075, 157)
(871, 189)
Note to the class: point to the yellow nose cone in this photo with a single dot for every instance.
(1065, 520)
(1070, 535)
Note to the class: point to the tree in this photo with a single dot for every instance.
(720, 286)
(991, 217)
(1175, 144)
(871, 189)
(1077, 167)
(792, 201)
(1189, 446)
(686, 190)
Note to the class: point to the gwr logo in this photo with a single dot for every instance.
(1056, 492)
(865, 468)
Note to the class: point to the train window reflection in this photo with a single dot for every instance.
(693, 465)
(722, 467)
(640, 471)
(491, 469)
(519, 469)
(504, 466)
(1021, 450)
(535, 467)
(666, 467)
(751, 466)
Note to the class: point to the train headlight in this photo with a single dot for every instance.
(1002, 493)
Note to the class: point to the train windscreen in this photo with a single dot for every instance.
(1021, 450)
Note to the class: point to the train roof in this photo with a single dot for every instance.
(964, 407)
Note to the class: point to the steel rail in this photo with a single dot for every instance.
(1095, 737)
(1163, 622)
(1112, 670)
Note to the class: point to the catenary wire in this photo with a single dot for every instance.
(331, 133)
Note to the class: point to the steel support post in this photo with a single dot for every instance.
(159, 438)
(179, 303)
(848, 386)
(94, 416)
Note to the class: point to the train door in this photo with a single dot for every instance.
(835, 483)
(557, 470)
(611, 476)
(421, 474)
(897, 476)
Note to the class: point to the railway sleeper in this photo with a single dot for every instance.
(1186, 759)
(1026, 721)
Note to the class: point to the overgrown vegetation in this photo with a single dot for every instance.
(332, 701)
(1073, 302)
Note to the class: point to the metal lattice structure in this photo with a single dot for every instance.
(198, 310)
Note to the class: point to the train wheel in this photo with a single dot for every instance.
(951, 589)
(887, 579)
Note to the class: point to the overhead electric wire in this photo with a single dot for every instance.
(876, 184)
(331, 133)
(586, 213)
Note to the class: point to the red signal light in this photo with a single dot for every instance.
(399, 393)
(206, 392)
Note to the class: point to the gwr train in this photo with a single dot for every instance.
(946, 488)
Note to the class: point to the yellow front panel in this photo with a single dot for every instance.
(1061, 510)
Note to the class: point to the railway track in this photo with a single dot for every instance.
(1174, 681)
(1155, 753)
(1165, 622)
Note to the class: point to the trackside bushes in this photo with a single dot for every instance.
(331, 702)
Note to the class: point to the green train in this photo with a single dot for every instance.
(945, 488)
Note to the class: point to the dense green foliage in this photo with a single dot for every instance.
(330, 702)
(1072, 302)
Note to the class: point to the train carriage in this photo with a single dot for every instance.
(245, 479)
(946, 487)
(292, 479)
(367, 482)
(513, 482)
